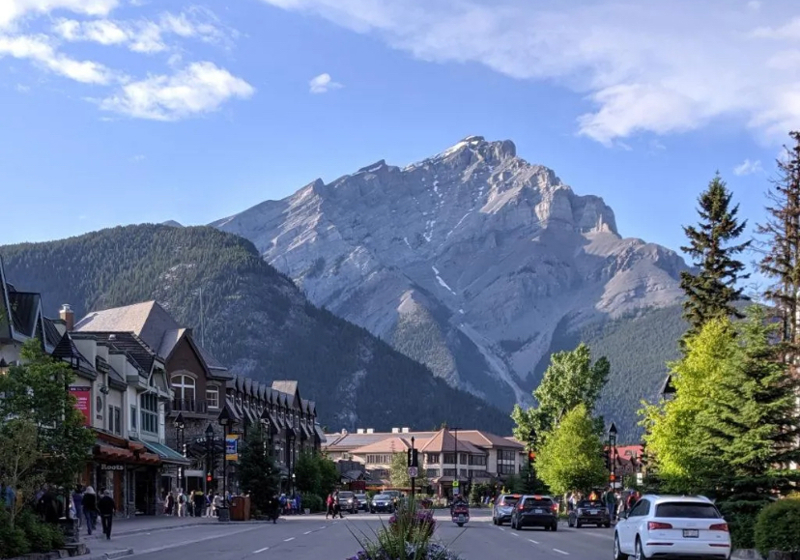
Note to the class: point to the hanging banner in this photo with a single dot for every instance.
(232, 447)
(83, 401)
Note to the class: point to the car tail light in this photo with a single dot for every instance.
(555, 507)
(520, 508)
(719, 527)
(655, 526)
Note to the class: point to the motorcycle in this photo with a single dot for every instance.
(460, 514)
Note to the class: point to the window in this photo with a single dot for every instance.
(450, 458)
(506, 455)
(381, 459)
(477, 460)
(505, 469)
(115, 420)
(432, 458)
(463, 459)
(641, 508)
(98, 407)
(687, 510)
(133, 418)
(431, 473)
(149, 406)
(449, 472)
(183, 385)
(212, 397)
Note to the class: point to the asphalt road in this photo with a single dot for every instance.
(314, 538)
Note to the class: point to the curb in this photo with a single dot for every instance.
(121, 534)
(112, 555)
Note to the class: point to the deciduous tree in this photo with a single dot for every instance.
(571, 379)
(570, 459)
(713, 290)
(398, 473)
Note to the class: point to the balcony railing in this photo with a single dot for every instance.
(190, 405)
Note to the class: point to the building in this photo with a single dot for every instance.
(290, 421)
(469, 456)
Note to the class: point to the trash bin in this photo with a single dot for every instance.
(224, 514)
(240, 508)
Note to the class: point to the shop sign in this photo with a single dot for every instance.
(232, 447)
(112, 467)
(83, 401)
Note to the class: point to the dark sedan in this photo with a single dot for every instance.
(589, 513)
(381, 503)
(535, 511)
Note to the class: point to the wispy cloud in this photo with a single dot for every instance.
(748, 167)
(200, 88)
(642, 67)
(322, 84)
(38, 48)
(13, 10)
(144, 35)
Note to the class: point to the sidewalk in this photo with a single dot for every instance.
(146, 524)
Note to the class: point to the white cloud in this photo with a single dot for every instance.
(145, 36)
(322, 84)
(664, 66)
(39, 49)
(200, 88)
(14, 10)
(748, 167)
(21, 88)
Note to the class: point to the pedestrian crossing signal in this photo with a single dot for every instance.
(612, 477)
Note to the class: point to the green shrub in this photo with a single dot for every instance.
(776, 527)
(741, 512)
(312, 502)
(12, 541)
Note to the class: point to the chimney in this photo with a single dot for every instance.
(370, 430)
(395, 430)
(68, 316)
(406, 430)
(360, 431)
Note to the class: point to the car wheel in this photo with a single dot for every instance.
(578, 524)
(639, 551)
(554, 526)
(607, 524)
(618, 554)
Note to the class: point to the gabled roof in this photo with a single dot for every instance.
(25, 311)
(485, 439)
(68, 351)
(445, 442)
(388, 445)
(141, 354)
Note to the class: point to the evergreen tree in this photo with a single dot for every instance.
(712, 292)
(781, 239)
(257, 472)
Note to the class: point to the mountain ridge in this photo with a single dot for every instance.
(484, 252)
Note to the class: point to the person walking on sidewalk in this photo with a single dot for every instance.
(329, 504)
(181, 503)
(107, 508)
(199, 502)
(77, 501)
(90, 508)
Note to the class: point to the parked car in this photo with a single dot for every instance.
(589, 512)
(504, 507)
(535, 511)
(363, 501)
(348, 501)
(381, 503)
(672, 526)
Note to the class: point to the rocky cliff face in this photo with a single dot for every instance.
(468, 261)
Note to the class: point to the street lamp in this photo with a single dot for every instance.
(180, 427)
(224, 419)
(268, 426)
(209, 454)
(612, 444)
(456, 478)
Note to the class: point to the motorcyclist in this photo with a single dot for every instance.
(457, 502)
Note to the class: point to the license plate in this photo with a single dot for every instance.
(593, 512)
(539, 511)
(691, 533)
(461, 519)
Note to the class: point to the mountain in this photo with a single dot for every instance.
(257, 322)
(474, 262)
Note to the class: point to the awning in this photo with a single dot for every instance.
(166, 454)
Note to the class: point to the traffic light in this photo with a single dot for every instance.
(612, 477)
(531, 457)
(208, 477)
(412, 458)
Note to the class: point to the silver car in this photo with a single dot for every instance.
(504, 507)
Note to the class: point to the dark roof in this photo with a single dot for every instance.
(51, 333)
(24, 311)
(67, 351)
(142, 355)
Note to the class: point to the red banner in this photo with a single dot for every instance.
(83, 402)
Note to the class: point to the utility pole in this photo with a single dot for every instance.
(413, 464)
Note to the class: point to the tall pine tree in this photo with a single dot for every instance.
(712, 292)
(781, 241)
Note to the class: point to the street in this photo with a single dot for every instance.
(314, 538)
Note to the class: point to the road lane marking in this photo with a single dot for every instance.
(515, 534)
(289, 539)
(260, 550)
(533, 541)
(501, 528)
(307, 533)
(561, 552)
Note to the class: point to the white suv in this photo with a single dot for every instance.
(672, 526)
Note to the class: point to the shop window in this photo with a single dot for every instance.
(98, 407)
(184, 387)
(114, 420)
(149, 405)
(212, 397)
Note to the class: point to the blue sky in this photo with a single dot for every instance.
(126, 111)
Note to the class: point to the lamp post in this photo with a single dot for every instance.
(456, 477)
(265, 421)
(180, 426)
(224, 420)
(612, 444)
(209, 455)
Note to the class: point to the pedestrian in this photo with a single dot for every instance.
(611, 504)
(170, 503)
(210, 504)
(90, 508)
(283, 503)
(329, 504)
(297, 504)
(106, 507)
(631, 501)
(199, 500)
(77, 501)
(337, 506)
(274, 508)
